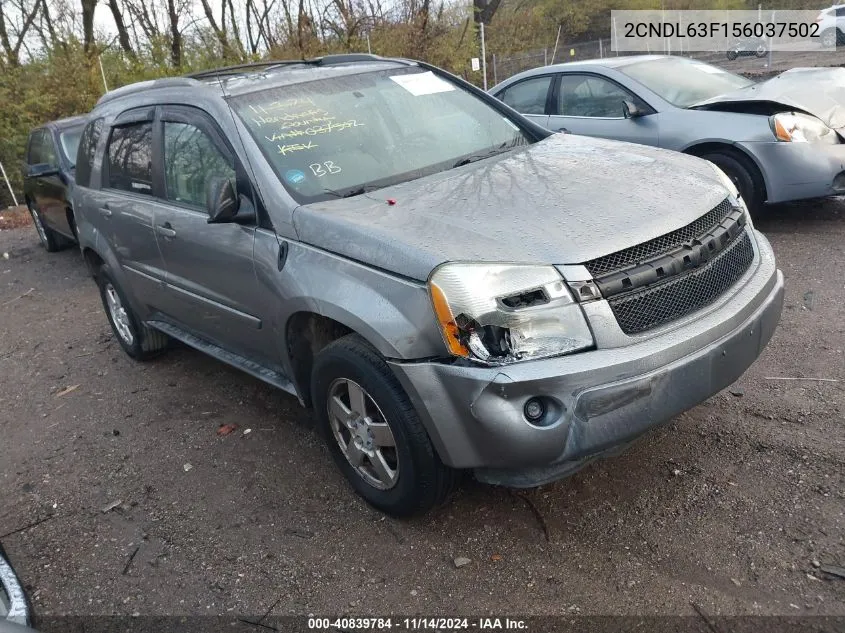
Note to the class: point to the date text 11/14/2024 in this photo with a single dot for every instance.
(417, 624)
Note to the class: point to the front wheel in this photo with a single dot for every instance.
(373, 431)
(761, 52)
(745, 176)
(732, 55)
(830, 38)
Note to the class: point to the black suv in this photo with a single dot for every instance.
(49, 173)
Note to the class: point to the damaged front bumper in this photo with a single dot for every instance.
(595, 401)
(799, 171)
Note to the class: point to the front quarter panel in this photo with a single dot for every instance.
(392, 313)
(682, 129)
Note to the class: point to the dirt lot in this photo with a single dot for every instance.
(118, 497)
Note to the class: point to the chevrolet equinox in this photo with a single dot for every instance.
(448, 285)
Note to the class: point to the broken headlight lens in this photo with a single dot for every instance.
(502, 313)
(794, 127)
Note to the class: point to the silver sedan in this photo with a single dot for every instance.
(778, 140)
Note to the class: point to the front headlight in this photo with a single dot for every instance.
(793, 127)
(501, 313)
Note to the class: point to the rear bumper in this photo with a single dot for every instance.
(797, 171)
(596, 401)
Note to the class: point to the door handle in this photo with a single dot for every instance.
(105, 212)
(166, 230)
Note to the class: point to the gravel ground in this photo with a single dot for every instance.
(118, 496)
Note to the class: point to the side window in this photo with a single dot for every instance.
(590, 96)
(48, 149)
(85, 153)
(840, 12)
(130, 154)
(191, 159)
(529, 96)
(41, 149)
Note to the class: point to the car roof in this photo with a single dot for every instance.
(64, 124)
(585, 64)
(611, 62)
(245, 78)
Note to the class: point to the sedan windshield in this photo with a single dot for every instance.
(684, 82)
(70, 143)
(351, 134)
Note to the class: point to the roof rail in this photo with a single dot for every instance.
(349, 58)
(230, 70)
(325, 60)
(141, 86)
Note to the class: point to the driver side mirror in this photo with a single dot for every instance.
(221, 202)
(630, 110)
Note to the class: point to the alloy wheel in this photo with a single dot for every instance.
(362, 432)
(36, 220)
(118, 313)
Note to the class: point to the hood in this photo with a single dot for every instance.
(564, 200)
(816, 91)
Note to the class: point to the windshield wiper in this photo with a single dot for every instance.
(357, 191)
(466, 160)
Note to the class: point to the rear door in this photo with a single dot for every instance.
(589, 104)
(125, 205)
(530, 97)
(211, 282)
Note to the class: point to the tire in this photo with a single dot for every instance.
(50, 240)
(831, 38)
(745, 176)
(421, 481)
(761, 52)
(732, 55)
(71, 221)
(137, 340)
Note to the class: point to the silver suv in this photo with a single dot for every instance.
(449, 286)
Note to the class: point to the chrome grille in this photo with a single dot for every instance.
(652, 306)
(621, 259)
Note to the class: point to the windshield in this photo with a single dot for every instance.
(69, 140)
(350, 134)
(684, 82)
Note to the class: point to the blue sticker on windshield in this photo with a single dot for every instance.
(294, 176)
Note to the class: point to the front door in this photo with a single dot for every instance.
(211, 282)
(48, 191)
(591, 105)
(529, 97)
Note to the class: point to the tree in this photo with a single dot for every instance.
(88, 7)
(10, 31)
(122, 33)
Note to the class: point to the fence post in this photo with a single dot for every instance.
(545, 57)
(483, 57)
(495, 76)
(601, 52)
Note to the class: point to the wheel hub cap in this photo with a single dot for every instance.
(118, 315)
(362, 432)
